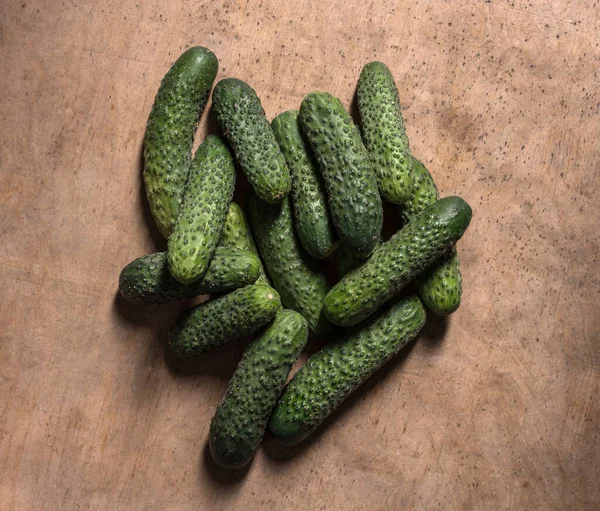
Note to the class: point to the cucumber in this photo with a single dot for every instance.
(383, 132)
(211, 324)
(440, 287)
(205, 205)
(347, 260)
(169, 136)
(243, 122)
(309, 199)
(339, 368)
(147, 279)
(398, 261)
(295, 276)
(241, 419)
(354, 200)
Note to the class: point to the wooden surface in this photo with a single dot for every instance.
(497, 409)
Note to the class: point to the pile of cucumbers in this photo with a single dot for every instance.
(317, 184)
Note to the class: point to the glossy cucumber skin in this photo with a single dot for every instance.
(147, 280)
(206, 200)
(340, 367)
(344, 163)
(295, 276)
(309, 199)
(179, 103)
(440, 287)
(211, 324)
(239, 423)
(383, 132)
(245, 126)
(398, 261)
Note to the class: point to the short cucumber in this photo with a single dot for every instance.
(211, 324)
(206, 200)
(241, 419)
(169, 136)
(309, 199)
(339, 368)
(397, 261)
(147, 279)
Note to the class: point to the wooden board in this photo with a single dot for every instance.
(494, 409)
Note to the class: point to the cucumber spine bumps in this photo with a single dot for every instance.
(344, 163)
(397, 261)
(241, 419)
(245, 126)
(383, 131)
(309, 199)
(169, 136)
(339, 368)
(205, 206)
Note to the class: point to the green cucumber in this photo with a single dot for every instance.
(309, 199)
(398, 261)
(240, 421)
(243, 122)
(211, 324)
(295, 276)
(440, 287)
(169, 136)
(202, 216)
(354, 200)
(339, 368)
(147, 279)
(348, 260)
(383, 131)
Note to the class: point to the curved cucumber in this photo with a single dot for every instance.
(309, 200)
(383, 131)
(147, 279)
(241, 419)
(398, 261)
(206, 201)
(344, 163)
(169, 136)
(296, 278)
(339, 368)
(211, 324)
(242, 119)
(347, 260)
(440, 287)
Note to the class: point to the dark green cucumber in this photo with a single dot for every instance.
(347, 260)
(179, 103)
(309, 199)
(354, 200)
(147, 279)
(294, 275)
(398, 261)
(202, 216)
(339, 368)
(241, 419)
(243, 122)
(211, 324)
(383, 131)
(440, 287)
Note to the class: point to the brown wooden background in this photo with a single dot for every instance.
(497, 409)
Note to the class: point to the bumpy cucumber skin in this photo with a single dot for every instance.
(398, 261)
(440, 287)
(206, 200)
(309, 199)
(347, 260)
(236, 233)
(148, 280)
(383, 131)
(211, 324)
(240, 421)
(169, 136)
(296, 278)
(344, 163)
(244, 124)
(339, 368)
